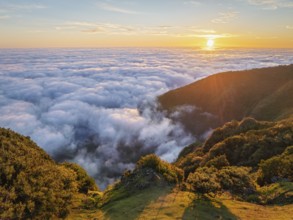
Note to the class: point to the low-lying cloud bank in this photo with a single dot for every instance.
(82, 104)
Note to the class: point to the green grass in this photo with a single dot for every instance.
(159, 203)
(250, 211)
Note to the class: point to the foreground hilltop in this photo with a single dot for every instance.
(243, 171)
(264, 94)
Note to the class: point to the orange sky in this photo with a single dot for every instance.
(140, 23)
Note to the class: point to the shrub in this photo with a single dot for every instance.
(189, 163)
(211, 180)
(218, 162)
(248, 149)
(171, 173)
(85, 182)
(204, 180)
(277, 168)
(92, 201)
(236, 180)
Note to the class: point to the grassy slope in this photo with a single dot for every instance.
(166, 203)
(261, 93)
(171, 203)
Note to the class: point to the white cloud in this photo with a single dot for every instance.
(105, 28)
(9, 10)
(213, 36)
(192, 2)
(272, 4)
(225, 17)
(112, 8)
(96, 106)
(289, 26)
(17, 7)
(117, 29)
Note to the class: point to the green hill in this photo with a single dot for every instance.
(32, 185)
(264, 94)
(243, 171)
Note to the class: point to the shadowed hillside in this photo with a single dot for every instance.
(265, 94)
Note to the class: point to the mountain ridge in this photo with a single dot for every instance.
(263, 94)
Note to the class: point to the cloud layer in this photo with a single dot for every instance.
(97, 106)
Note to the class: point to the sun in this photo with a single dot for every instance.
(210, 43)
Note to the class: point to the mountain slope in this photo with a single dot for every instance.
(170, 204)
(265, 94)
(32, 185)
(242, 171)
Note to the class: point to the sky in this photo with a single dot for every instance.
(146, 23)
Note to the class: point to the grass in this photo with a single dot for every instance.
(166, 203)
(249, 211)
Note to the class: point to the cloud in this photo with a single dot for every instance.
(97, 107)
(192, 2)
(17, 7)
(213, 36)
(289, 26)
(4, 17)
(266, 37)
(225, 17)
(112, 8)
(117, 29)
(105, 28)
(9, 10)
(272, 4)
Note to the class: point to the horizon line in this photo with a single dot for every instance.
(146, 47)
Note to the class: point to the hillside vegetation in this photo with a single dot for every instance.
(242, 171)
(32, 185)
(263, 94)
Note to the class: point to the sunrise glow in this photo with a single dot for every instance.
(210, 44)
(140, 23)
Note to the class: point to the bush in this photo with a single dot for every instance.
(171, 173)
(277, 168)
(218, 162)
(92, 201)
(211, 180)
(189, 163)
(204, 180)
(236, 180)
(85, 182)
(251, 143)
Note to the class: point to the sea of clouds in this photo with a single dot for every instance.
(97, 107)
